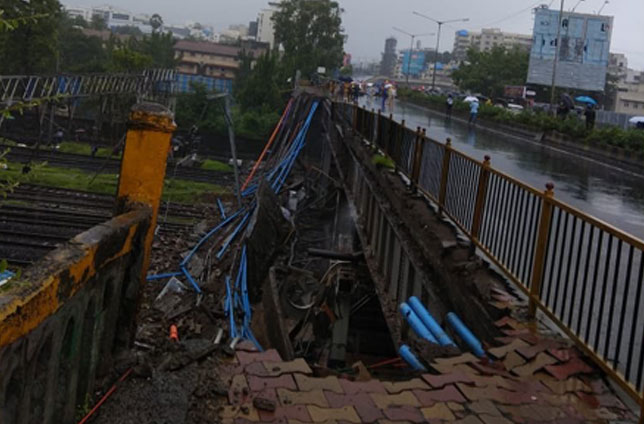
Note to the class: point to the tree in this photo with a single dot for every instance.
(77, 52)
(311, 34)
(488, 72)
(29, 49)
(259, 88)
(125, 59)
(156, 22)
(160, 47)
(98, 23)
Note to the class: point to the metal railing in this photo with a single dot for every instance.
(581, 272)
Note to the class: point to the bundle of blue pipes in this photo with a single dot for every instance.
(237, 304)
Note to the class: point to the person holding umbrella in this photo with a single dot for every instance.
(590, 115)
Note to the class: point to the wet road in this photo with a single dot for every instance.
(603, 191)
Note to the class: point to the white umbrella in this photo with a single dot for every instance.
(636, 119)
(470, 99)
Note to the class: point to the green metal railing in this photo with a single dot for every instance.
(581, 272)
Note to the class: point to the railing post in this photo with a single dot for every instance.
(418, 157)
(378, 134)
(479, 206)
(355, 117)
(391, 139)
(444, 174)
(541, 248)
(143, 166)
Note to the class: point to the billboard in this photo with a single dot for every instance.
(583, 54)
(416, 65)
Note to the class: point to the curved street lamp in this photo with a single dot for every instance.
(411, 50)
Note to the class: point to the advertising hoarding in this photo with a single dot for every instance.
(416, 65)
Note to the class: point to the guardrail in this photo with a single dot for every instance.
(582, 273)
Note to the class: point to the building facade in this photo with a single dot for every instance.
(487, 39)
(212, 64)
(389, 58)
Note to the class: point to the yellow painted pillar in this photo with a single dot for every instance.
(144, 164)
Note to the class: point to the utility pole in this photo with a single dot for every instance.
(411, 49)
(554, 64)
(438, 40)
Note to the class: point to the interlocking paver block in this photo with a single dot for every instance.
(237, 411)
(306, 383)
(322, 422)
(502, 351)
(257, 384)
(439, 411)
(484, 406)
(565, 354)
(489, 419)
(447, 394)
(495, 394)
(496, 369)
(530, 352)
(513, 360)
(362, 402)
(401, 399)
(256, 368)
(354, 387)
(246, 346)
(347, 413)
(400, 386)
(533, 412)
(246, 358)
(274, 369)
(461, 359)
(455, 406)
(470, 419)
(289, 412)
(542, 360)
(572, 367)
(439, 381)
(567, 386)
(404, 413)
(314, 397)
(606, 400)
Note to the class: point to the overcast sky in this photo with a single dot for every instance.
(368, 22)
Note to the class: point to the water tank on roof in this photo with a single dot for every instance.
(462, 33)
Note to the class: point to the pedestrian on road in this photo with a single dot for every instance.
(449, 104)
(474, 111)
(590, 116)
(384, 98)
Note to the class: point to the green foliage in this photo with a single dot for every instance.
(381, 161)
(258, 89)
(488, 72)
(311, 34)
(346, 71)
(128, 60)
(215, 165)
(98, 23)
(83, 149)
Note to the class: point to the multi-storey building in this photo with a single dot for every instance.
(486, 40)
(389, 58)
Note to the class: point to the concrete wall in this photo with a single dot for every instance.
(65, 319)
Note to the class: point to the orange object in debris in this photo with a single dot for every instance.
(174, 333)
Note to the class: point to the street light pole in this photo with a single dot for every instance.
(438, 39)
(411, 50)
(554, 64)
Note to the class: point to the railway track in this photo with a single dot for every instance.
(35, 220)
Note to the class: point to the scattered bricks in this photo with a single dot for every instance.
(402, 399)
(513, 360)
(354, 387)
(485, 406)
(238, 390)
(404, 413)
(399, 386)
(290, 412)
(346, 413)
(362, 402)
(447, 394)
(306, 384)
(274, 369)
(572, 367)
(440, 381)
(439, 411)
(501, 352)
(542, 360)
(257, 384)
(264, 404)
(246, 358)
(314, 397)
(530, 352)
(567, 386)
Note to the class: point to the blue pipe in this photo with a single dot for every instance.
(430, 322)
(233, 235)
(163, 276)
(468, 337)
(416, 323)
(192, 281)
(222, 211)
(210, 234)
(409, 357)
(230, 310)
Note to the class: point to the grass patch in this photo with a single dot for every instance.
(84, 149)
(383, 161)
(215, 165)
(180, 191)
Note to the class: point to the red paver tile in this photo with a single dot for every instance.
(353, 387)
(470, 419)
(530, 352)
(489, 419)
(528, 386)
(239, 411)
(524, 334)
(447, 394)
(484, 406)
(404, 413)
(501, 396)
(572, 367)
(400, 386)
(314, 397)
(362, 402)
(275, 369)
(257, 369)
(456, 360)
(542, 360)
(401, 399)
(238, 390)
(565, 354)
(306, 383)
(492, 369)
(246, 358)
(293, 412)
(439, 381)
(513, 360)
(567, 386)
(606, 400)
(536, 413)
(257, 384)
(346, 413)
(439, 411)
(502, 351)
(246, 346)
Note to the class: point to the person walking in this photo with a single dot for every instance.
(474, 111)
(449, 105)
(590, 115)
